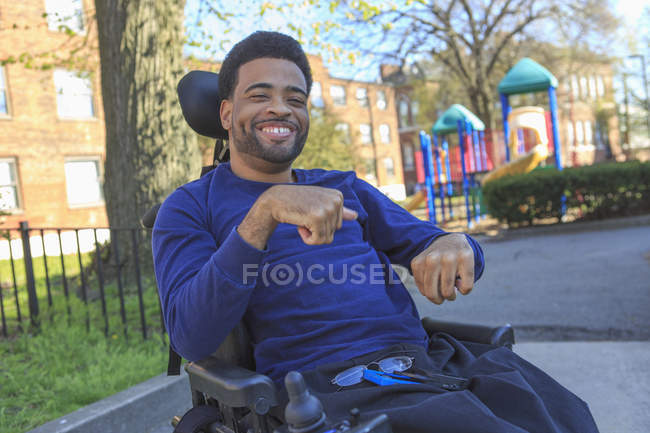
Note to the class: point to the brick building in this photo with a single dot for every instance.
(51, 121)
(52, 137)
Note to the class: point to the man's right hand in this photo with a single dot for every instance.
(316, 211)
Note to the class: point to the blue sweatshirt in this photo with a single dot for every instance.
(304, 305)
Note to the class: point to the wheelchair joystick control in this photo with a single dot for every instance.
(304, 412)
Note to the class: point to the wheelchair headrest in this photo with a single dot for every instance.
(198, 94)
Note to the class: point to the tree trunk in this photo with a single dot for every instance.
(149, 149)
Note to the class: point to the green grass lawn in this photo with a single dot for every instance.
(70, 361)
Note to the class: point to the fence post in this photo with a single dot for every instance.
(29, 273)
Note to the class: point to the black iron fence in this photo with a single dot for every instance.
(98, 277)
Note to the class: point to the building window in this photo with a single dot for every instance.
(369, 169)
(381, 100)
(589, 133)
(9, 197)
(83, 182)
(362, 96)
(389, 165)
(584, 88)
(408, 157)
(338, 94)
(74, 95)
(592, 86)
(65, 14)
(570, 138)
(384, 133)
(317, 95)
(4, 104)
(366, 133)
(580, 133)
(344, 130)
(404, 112)
(600, 86)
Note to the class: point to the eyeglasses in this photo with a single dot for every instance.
(354, 375)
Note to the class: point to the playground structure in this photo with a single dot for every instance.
(473, 159)
(530, 118)
(526, 76)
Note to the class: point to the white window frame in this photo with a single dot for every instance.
(384, 133)
(64, 13)
(570, 135)
(99, 201)
(592, 87)
(4, 92)
(584, 87)
(362, 96)
(382, 101)
(338, 98)
(10, 182)
(580, 133)
(409, 159)
(365, 131)
(404, 117)
(317, 95)
(344, 129)
(81, 90)
(389, 166)
(600, 86)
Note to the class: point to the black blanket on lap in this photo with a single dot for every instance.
(505, 393)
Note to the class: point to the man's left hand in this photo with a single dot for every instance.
(447, 264)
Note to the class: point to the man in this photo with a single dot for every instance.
(303, 258)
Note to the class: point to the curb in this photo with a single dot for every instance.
(134, 410)
(564, 228)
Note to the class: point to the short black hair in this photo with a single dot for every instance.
(259, 45)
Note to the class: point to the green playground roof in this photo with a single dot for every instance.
(527, 76)
(448, 122)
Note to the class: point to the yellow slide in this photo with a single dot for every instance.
(523, 118)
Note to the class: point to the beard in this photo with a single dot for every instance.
(248, 142)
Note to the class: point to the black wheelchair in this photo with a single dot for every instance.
(228, 396)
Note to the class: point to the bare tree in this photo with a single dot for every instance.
(470, 40)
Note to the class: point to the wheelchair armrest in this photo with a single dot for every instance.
(231, 385)
(495, 335)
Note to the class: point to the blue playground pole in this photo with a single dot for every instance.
(461, 142)
(441, 189)
(425, 143)
(477, 202)
(552, 101)
(473, 136)
(505, 110)
(477, 151)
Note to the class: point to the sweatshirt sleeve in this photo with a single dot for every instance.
(394, 231)
(204, 287)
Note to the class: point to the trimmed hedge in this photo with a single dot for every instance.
(597, 191)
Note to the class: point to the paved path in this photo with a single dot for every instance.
(576, 286)
(580, 305)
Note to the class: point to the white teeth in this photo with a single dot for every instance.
(275, 130)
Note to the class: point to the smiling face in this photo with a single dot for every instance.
(266, 117)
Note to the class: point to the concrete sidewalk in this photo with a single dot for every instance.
(612, 377)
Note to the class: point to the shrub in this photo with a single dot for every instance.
(598, 191)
